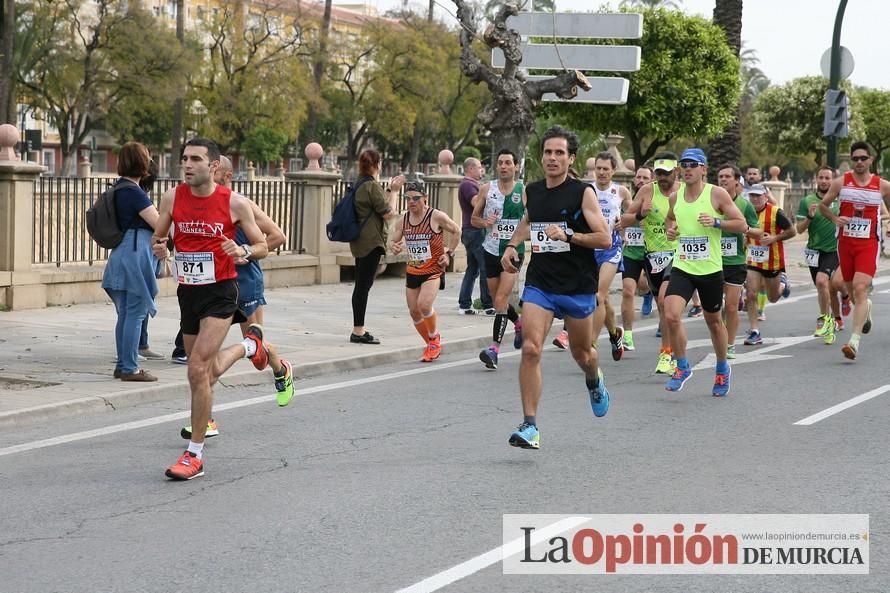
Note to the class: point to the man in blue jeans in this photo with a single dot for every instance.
(472, 239)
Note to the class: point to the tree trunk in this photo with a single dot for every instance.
(178, 104)
(727, 148)
(318, 67)
(7, 34)
(429, 14)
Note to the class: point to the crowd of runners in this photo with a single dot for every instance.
(677, 239)
(721, 247)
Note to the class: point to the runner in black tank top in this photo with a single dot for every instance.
(565, 224)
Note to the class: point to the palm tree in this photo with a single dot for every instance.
(754, 81)
(727, 148)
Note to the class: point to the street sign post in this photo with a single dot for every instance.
(542, 55)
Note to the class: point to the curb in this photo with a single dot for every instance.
(123, 399)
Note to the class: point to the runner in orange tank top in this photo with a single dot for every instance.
(422, 228)
(859, 222)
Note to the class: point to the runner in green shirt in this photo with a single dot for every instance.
(821, 256)
(632, 277)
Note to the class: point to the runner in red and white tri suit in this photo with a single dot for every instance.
(858, 245)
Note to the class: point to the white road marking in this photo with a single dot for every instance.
(809, 420)
(474, 565)
(99, 432)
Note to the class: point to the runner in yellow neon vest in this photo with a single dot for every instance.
(698, 213)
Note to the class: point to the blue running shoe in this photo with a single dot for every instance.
(754, 338)
(646, 309)
(517, 336)
(678, 379)
(490, 358)
(526, 436)
(721, 383)
(786, 292)
(658, 331)
(599, 397)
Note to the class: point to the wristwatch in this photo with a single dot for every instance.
(247, 251)
(569, 234)
(450, 253)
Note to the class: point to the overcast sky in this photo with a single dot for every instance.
(788, 35)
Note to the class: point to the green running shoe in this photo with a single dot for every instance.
(629, 340)
(285, 385)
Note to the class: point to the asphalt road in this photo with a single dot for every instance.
(374, 481)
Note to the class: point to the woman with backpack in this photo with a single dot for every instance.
(373, 206)
(129, 277)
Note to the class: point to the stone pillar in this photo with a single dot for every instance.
(251, 171)
(776, 186)
(446, 158)
(20, 287)
(84, 167)
(448, 201)
(279, 169)
(318, 188)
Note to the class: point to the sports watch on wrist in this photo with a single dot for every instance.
(247, 251)
(569, 235)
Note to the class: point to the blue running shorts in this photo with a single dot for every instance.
(576, 306)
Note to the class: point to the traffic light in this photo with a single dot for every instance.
(837, 114)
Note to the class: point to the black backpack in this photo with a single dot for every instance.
(101, 217)
(345, 226)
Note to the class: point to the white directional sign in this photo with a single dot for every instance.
(578, 24)
(548, 54)
(604, 90)
(603, 58)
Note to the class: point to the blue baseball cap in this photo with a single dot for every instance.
(696, 155)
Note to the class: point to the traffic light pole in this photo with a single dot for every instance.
(835, 78)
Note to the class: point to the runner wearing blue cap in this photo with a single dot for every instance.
(698, 213)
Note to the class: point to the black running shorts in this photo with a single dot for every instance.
(632, 269)
(219, 299)
(493, 267)
(709, 287)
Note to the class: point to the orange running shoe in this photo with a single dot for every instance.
(433, 349)
(260, 359)
(187, 467)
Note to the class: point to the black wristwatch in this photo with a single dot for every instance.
(569, 234)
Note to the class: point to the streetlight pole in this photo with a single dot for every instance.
(835, 78)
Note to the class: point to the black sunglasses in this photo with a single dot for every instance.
(859, 159)
(414, 198)
(689, 164)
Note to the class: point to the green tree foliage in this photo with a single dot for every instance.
(874, 106)
(262, 144)
(84, 63)
(687, 85)
(254, 77)
(428, 103)
(788, 119)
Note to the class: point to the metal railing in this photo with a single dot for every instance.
(60, 204)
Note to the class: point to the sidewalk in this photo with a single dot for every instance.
(58, 361)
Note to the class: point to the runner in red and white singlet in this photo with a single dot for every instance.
(200, 227)
(859, 221)
(204, 216)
